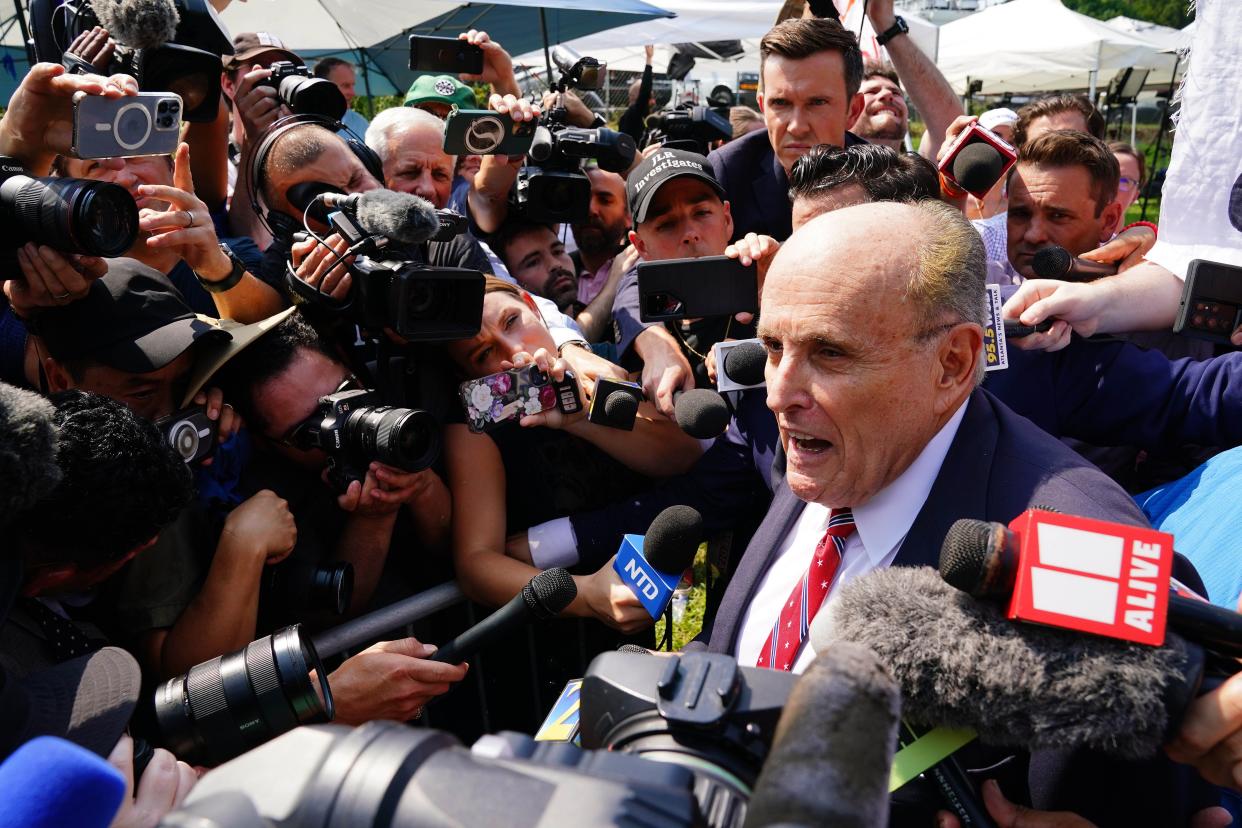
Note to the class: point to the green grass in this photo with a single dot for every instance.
(692, 622)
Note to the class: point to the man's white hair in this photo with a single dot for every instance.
(393, 123)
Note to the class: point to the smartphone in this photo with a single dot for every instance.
(445, 54)
(1211, 306)
(189, 432)
(148, 123)
(692, 288)
(509, 395)
(484, 132)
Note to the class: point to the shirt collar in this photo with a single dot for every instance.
(883, 521)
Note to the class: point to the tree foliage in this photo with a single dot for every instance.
(1174, 13)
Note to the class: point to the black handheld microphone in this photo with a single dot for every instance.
(701, 412)
(401, 217)
(668, 548)
(961, 663)
(1056, 263)
(547, 594)
(981, 558)
(833, 750)
(977, 167)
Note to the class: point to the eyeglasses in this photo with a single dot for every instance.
(1127, 184)
(299, 436)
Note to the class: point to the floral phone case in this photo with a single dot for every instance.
(509, 395)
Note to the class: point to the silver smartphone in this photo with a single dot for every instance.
(148, 123)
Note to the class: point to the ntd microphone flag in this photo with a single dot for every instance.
(1092, 576)
(653, 587)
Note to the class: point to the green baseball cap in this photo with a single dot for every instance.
(444, 89)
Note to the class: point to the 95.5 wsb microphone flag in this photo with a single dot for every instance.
(1092, 576)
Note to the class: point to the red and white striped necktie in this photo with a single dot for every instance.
(790, 630)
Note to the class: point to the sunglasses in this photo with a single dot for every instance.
(299, 437)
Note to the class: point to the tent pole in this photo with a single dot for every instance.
(21, 23)
(366, 83)
(1134, 122)
(547, 54)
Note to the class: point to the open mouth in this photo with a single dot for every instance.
(806, 444)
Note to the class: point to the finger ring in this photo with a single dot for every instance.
(64, 295)
(418, 714)
(189, 218)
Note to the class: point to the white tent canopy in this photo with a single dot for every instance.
(1029, 46)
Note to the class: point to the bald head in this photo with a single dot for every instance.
(870, 318)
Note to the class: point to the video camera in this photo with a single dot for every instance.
(688, 127)
(675, 741)
(390, 288)
(551, 187)
(72, 215)
(187, 65)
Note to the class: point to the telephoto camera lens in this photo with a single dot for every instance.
(312, 96)
(407, 438)
(224, 707)
(295, 588)
(72, 215)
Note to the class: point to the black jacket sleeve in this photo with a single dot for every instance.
(631, 122)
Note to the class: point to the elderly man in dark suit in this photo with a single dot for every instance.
(872, 317)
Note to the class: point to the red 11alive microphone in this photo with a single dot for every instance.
(1054, 262)
(1088, 575)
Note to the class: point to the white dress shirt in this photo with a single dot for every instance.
(880, 525)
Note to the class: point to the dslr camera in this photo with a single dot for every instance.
(188, 66)
(687, 127)
(303, 94)
(551, 187)
(72, 215)
(354, 429)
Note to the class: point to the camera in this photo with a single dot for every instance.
(190, 433)
(293, 588)
(232, 703)
(693, 128)
(674, 741)
(355, 429)
(189, 66)
(303, 94)
(551, 188)
(72, 215)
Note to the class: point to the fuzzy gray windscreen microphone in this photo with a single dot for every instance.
(139, 24)
(833, 748)
(961, 663)
(28, 468)
(402, 217)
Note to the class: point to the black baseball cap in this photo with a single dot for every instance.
(665, 165)
(133, 319)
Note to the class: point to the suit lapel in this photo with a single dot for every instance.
(772, 196)
(961, 488)
(762, 550)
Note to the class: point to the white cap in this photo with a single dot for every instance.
(998, 117)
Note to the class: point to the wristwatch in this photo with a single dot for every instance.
(899, 27)
(228, 282)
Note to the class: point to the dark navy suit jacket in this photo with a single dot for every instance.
(756, 184)
(998, 465)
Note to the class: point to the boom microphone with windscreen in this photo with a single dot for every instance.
(139, 24)
(546, 596)
(652, 565)
(833, 749)
(50, 782)
(28, 467)
(401, 217)
(1054, 262)
(701, 413)
(961, 663)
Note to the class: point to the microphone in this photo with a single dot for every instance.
(739, 365)
(50, 782)
(1059, 558)
(651, 565)
(138, 24)
(701, 412)
(1056, 263)
(977, 167)
(28, 467)
(400, 217)
(961, 663)
(547, 594)
(833, 750)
